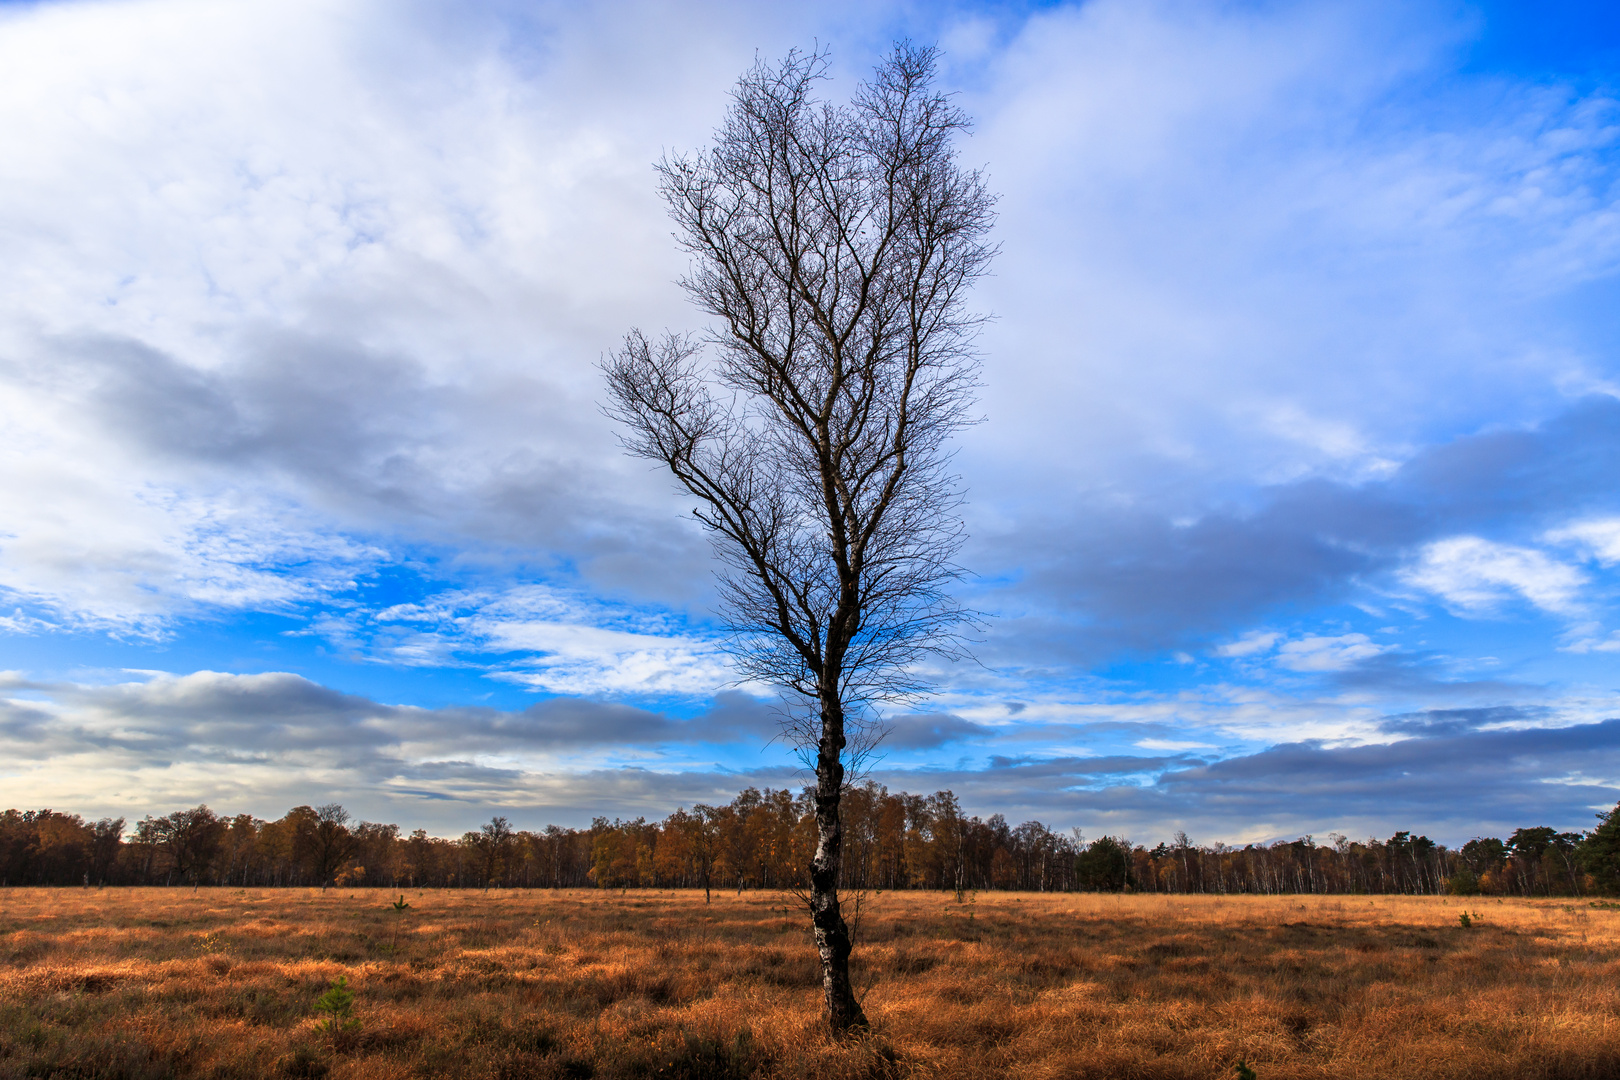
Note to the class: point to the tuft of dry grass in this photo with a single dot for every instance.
(150, 983)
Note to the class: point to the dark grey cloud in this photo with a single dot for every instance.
(453, 795)
(1522, 480)
(514, 467)
(215, 716)
(558, 723)
(24, 723)
(208, 715)
(1034, 770)
(1104, 581)
(1429, 675)
(254, 742)
(1437, 722)
(261, 743)
(1453, 782)
(636, 792)
(1456, 785)
(569, 722)
(733, 714)
(926, 731)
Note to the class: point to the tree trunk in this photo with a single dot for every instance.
(832, 935)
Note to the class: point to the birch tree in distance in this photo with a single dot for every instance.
(835, 245)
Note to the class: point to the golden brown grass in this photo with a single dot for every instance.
(221, 983)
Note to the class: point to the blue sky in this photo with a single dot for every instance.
(1294, 506)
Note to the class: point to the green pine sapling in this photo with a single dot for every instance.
(337, 1003)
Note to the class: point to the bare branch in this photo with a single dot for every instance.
(835, 245)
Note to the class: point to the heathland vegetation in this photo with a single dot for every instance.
(224, 983)
(763, 840)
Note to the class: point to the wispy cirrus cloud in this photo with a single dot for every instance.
(548, 638)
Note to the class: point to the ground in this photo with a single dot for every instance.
(222, 982)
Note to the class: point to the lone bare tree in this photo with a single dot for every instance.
(835, 245)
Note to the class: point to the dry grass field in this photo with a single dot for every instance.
(223, 983)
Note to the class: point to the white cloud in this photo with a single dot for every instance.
(1474, 575)
(1197, 199)
(293, 287)
(569, 643)
(355, 261)
(1255, 641)
(1173, 745)
(1599, 537)
(329, 267)
(1321, 653)
(1591, 644)
(573, 659)
(1312, 652)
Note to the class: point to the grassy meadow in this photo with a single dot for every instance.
(138, 983)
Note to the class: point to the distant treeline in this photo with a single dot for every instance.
(763, 840)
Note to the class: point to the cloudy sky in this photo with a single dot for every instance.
(1295, 507)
